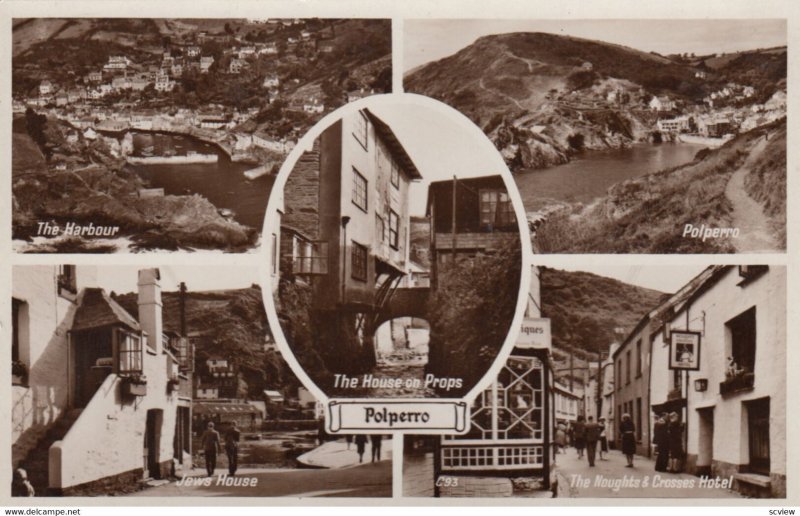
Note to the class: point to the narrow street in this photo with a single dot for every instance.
(611, 479)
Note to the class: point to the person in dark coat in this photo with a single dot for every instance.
(627, 430)
(675, 431)
(579, 434)
(661, 442)
(210, 442)
(375, 441)
(361, 444)
(232, 437)
(592, 434)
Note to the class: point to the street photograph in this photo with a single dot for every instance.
(166, 381)
(661, 382)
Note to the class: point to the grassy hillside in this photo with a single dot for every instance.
(585, 309)
(766, 182)
(541, 98)
(235, 327)
(648, 214)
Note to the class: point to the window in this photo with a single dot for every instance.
(638, 358)
(358, 258)
(380, 228)
(309, 257)
(619, 374)
(496, 209)
(359, 190)
(628, 367)
(742, 332)
(394, 229)
(360, 130)
(395, 174)
(16, 306)
(67, 280)
(130, 353)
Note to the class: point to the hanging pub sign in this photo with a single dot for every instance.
(684, 350)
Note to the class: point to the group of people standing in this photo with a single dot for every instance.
(586, 435)
(668, 440)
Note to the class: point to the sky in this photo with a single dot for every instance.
(439, 145)
(123, 279)
(428, 40)
(665, 278)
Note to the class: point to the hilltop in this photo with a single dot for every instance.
(542, 98)
(233, 325)
(585, 309)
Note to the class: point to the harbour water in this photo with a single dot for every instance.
(589, 176)
(222, 182)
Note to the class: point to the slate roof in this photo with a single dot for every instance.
(97, 309)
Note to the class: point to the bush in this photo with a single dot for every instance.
(470, 314)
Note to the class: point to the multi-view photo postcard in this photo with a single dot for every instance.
(397, 259)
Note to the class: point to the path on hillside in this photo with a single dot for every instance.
(495, 92)
(755, 234)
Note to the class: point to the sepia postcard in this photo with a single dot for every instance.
(267, 253)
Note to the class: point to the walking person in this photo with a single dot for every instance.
(592, 434)
(375, 441)
(675, 433)
(603, 438)
(361, 444)
(349, 439)
(561, 437)
(628, 432)
(580, 436)
(210, 442)
(232, 437)
(661, 442)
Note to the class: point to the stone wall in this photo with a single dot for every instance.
(301, 195)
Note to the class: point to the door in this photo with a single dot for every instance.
(758, 432)
(151, 444)
(705, 444)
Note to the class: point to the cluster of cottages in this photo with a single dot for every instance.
(732, 405)
(728, 120)
(104, 399)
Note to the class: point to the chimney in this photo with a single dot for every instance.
(150, 316)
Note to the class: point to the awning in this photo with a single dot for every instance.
(675, 405)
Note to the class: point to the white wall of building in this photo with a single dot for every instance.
(708, 314)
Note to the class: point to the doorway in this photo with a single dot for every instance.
(705, 440)
(758, 435)
(152, 444)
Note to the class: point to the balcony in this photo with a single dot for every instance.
(739, 383)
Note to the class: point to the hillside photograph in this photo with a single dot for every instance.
(624, 136)
(141, 134)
